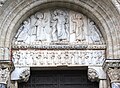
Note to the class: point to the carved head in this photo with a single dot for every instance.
(39, 15)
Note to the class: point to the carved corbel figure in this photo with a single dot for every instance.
(24, 76)
(93, 75)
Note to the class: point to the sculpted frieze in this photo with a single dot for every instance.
(57, 57)
(59, 26)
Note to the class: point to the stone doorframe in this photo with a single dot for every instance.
(103, 13)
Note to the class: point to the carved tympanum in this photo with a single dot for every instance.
(58, 26)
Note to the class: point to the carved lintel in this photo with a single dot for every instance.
(114, 74)
(93, 75)
(39, 58)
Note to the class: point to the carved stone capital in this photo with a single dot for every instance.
(92, 75)
(5, 69)
(4, 75)
(111, 63)
(114, 74)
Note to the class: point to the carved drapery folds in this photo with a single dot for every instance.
(57, 26)
(93, 75)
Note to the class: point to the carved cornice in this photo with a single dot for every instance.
(111, 63)
(63, 46)
(93, 75)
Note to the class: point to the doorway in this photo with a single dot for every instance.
(59, 79)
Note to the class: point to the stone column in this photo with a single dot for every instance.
(102, 83)
(114, 75)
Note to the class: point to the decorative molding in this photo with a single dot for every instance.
(114, 74)
(39, 58)
(93, 75)
(111, 63)
(58, 46)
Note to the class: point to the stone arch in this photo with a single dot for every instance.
(96, 10)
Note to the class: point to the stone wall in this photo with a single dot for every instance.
(105, 13)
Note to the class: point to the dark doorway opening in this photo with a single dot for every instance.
(59, 79)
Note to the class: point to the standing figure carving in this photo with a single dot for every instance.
(78, 27)
(23, 32)
(94, 35)
(59, 21)
(41, 23)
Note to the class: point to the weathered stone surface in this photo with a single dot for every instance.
(104, 13)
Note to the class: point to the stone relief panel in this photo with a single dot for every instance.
(58, 26)
(57, 57)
